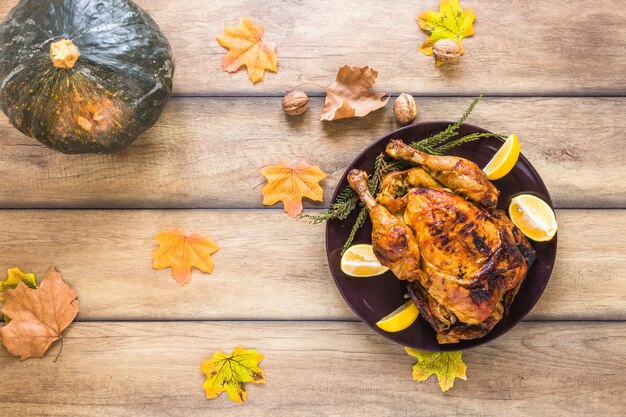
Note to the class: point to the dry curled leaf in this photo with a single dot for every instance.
(14, 277)
(38, 316)
(446, 365)
(246, 46)
(290, 185)
(230, 372)
(350, 95)
(450, 22)
(181, 252)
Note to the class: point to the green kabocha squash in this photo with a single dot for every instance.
(83, 76)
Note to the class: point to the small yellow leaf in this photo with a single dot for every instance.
(230, 372)
(181, 252)
(446, 365)
(246, 46)
(15, 276)
(450, 22)
(290, 185)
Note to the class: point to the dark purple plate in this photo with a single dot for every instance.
(375, 297)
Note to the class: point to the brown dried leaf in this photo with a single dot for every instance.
(38, 316)
(350, 95)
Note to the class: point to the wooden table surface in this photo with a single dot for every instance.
(551, 71)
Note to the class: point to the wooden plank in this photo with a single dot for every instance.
(207, 153)
(269, 266)
(557, 49)
(317, 369)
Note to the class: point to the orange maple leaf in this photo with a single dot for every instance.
(38, 316)
(181, 252)
(290, 185)
(350, 95)
(246, 46)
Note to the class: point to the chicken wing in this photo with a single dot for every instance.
(459, 174)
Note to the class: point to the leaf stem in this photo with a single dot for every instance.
(60, 350)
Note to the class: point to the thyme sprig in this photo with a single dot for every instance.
(437, 144)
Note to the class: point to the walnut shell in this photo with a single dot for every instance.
(405, 109)
(446, 50)
(295, 103)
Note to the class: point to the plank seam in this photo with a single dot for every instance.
(280, 94)
(229, 320)
(268, 209)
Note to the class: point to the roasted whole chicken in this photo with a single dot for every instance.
(436, 225)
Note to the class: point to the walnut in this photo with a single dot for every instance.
(446, 50)
(405, 109)
(295, 103)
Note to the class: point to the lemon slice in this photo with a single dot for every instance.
(400, 319)
(360, 261)
(504, 160)
(534, 217)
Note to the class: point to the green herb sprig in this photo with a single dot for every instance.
(437, 144)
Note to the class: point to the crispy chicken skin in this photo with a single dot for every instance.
(459, 174)
(393, 240)
(436, 226)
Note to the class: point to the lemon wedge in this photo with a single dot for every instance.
(504, 160)
(400, 319)
(533, 217)
(359, 261)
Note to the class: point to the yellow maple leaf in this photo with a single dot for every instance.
(290, 185)
(181, 252)
(450, 22)
(229, 373)
(446, 365)
(246, 46)
(14, 277)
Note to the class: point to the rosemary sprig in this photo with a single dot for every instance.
(381, 168)
(347, 200)
(466, 139)
(358, 223)
(430, 144)
(344, 205)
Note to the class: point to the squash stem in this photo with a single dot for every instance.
(64, 54)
